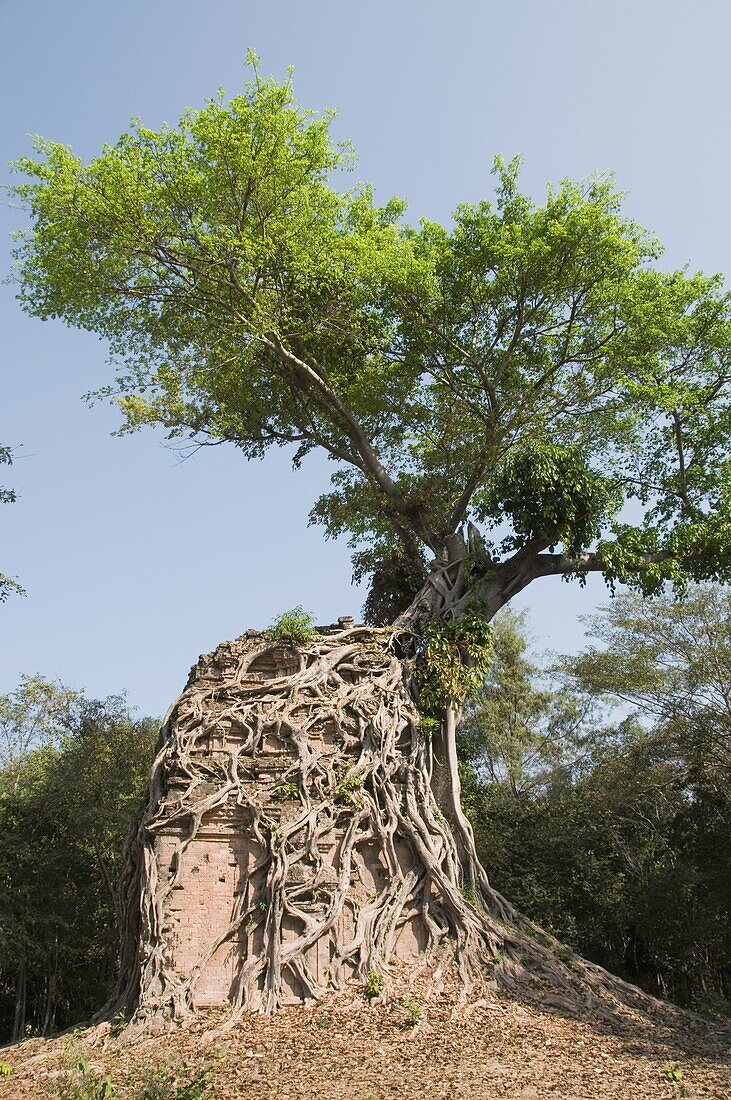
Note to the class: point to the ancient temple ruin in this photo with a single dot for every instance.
(293, 844)
(261, 775)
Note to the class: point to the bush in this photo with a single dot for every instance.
(171, 1083)
(81, 1082)
(374, 984)
(294, 627)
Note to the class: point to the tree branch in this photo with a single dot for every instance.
(371, 462)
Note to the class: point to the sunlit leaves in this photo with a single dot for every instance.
(551, 492)
(453, 662)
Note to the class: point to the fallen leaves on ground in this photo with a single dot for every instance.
(352, 1050)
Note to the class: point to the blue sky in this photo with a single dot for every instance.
(136, 562)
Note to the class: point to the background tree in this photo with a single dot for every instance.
(33, 716)
(518, 727)
(620, 850)
(526, 370)
(670, 662)
(73, 772)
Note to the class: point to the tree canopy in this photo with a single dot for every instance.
(528, 368)
(670, 662)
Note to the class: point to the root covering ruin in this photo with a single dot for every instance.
(293, 845)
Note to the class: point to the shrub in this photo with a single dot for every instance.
(174, 1083)
(374, 984)
(286, 790)
(348, 789)
(294, 627)
(81, 1082)
(413, 1010)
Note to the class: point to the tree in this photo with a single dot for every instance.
(526, 369)
(32, 717)
(75, 772)
(517, 727)
(7, 496)
(620, 851)
(670, 661)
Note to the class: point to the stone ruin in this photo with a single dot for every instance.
(293, 843)
(222, 869)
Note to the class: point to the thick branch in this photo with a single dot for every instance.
(372, 465)
(553, 565)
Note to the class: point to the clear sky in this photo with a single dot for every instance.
(136, 562)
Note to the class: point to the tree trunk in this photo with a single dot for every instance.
(50, 1009)
(20, 1003)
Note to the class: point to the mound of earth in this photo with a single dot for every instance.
(401, 1050)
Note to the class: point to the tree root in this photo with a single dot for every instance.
(353, 797)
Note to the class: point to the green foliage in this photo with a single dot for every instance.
(397, 570)
(272, 826)
(670, 661)
(428, 725)
(469, 894)
(119, 1022)
(6, 1070)
(37, 715)
(671, 1071)
(453, 661)
(610, 829)
(295, 627)
(286, 790)
(550, 491)
(174, 1083)
(517, 730)
(348, 789)
(526, 367)
(374, 984)
(73, 771)
(7, 496)
(414, 1011)
(81, 1082)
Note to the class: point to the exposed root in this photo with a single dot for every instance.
(352, 792)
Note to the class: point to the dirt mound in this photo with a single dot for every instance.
(362, 1051)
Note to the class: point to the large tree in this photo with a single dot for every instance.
(526, 368)
(518, 395)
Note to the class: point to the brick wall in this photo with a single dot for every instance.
(216, 876)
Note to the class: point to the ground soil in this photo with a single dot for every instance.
(350, 1048)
